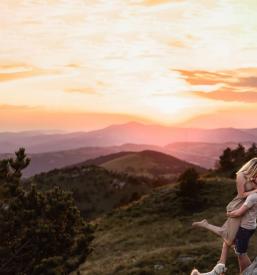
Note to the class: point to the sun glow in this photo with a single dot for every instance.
(167, 61)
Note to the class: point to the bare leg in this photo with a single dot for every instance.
(244, 262)
(213, 228)
(227, 231)
(224, 253)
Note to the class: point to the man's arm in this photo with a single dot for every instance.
(250, 201)
(238, 213)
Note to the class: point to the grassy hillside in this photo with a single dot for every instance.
(154, 235)
(146, 163)
(122, 178)
(95, 189)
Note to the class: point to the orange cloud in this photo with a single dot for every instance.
(226, 94)
(158, 2)
(178, 43)
(11, 72)
(82, 90)
(16, 118)
(235, 85)
(198, 77)
(240, 77)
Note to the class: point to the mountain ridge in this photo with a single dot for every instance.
(134, 132)
(199, 153)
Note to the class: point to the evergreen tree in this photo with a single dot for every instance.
(231, 160)
(189, 190)
(40, 233)
(189, 182)
(226, 162)
(251, 152)
(238, 157)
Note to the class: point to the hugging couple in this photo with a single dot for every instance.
(240, 224)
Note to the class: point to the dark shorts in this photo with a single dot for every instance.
(242, 240)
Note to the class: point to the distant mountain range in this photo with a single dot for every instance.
(136, 133)
(50, 150)
(199, 153)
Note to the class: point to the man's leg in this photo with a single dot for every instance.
(241, 245)
(243, 261)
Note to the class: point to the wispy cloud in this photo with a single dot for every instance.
(240, 77)
(11, 72)
(159, 2)
(233, 85)
(82, 90)
(227, 94)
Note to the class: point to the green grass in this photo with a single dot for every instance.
(131, 163)
(154, 235)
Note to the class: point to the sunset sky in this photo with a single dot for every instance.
(82, 65)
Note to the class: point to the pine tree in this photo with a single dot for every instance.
(189, 190)
(40, 233)
(226, 162)
(231, 160)
(251, 152)
(238, 157)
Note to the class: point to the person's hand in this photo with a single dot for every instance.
(254, 185)
(228, 214)
(254, 181)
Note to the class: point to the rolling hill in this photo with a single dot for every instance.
(146, 163)
(153, 236)
(122, 178)
(44, 162)
(95, 189)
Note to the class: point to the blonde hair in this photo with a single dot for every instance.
(250, 168)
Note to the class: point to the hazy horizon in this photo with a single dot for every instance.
(62, 131)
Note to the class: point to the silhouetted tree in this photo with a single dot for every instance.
(226, 162)
(189, 182)
(189, 189)
(231, 160)
(251, 152)
(40, 233)
(238, 157)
